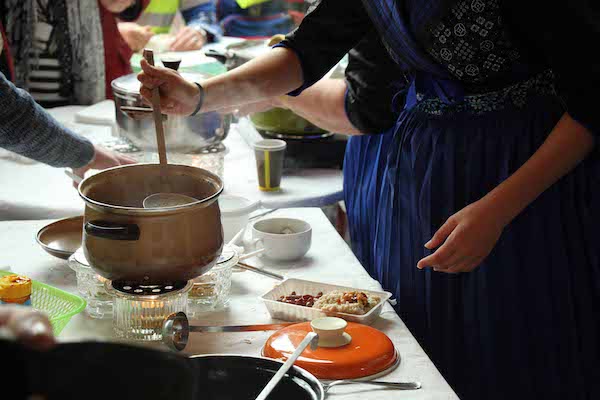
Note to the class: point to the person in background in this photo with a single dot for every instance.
(27, 129)
(66, 52)
(200, 19)
(261, 19)
(360, 106)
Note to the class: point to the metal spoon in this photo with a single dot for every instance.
(311, 339)
(176, 330)
(160, 200)
(393, 385)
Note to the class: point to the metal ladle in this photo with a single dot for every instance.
(160, 200)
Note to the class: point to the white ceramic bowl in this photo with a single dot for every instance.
(283, 239)
(235, 213)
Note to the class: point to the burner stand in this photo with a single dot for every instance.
(140, 310)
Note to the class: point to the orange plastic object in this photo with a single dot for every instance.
(370, 352)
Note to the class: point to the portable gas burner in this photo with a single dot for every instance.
(139, 310)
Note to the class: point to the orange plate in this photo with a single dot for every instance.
(370, 352)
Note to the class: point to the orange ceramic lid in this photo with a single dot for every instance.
(369, 352)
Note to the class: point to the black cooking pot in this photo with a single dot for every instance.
(118, 371)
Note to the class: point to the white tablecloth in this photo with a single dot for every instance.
(329, 260)
(36, 191)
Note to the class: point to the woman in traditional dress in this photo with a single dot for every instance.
(486, 228)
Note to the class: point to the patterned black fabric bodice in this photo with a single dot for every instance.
(472, 43)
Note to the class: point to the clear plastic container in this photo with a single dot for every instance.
(292, 312)
(90, 286)
(139, 311)
(212, 290)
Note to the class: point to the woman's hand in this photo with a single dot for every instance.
(177, 96)
(465, 239)
(188, 39)
(135, 35)
(102, 159)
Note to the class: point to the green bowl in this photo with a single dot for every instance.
(284, 121)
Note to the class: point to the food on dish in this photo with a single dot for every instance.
(305, 300)
(357, 303)
(352, 302)
(15, 289)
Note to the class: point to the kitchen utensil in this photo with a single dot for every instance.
(292, 312)
(251, 254)
(260, 215)
(58, 305)
(176, 330)
(284, 239)
(309, 340)
(269, 154)
(160, 134)
(183, 134)
(123, 240)
(70, 370)
(391, 385)
(161, 200)
(74, 370)
(235, 214)
(369, 354)
(61, 238)
(260, 271)
(242, 378)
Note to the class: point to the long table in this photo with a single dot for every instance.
(329, 260)
(33, 190)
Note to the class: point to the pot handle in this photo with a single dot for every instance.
(220, 56)
(112, 230)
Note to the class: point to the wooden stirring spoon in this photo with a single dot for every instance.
(167, 198)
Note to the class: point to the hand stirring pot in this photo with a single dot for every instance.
(166, 199)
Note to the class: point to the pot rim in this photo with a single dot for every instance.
(304, 374)
(151, 211)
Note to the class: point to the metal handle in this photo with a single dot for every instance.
(112, 230)
(260, 271)
(394, 385)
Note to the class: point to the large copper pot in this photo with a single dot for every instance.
(124, 241)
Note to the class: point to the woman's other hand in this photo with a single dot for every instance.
(135, 35)
(27, 326)
(103, 159)
(177, 96)
(465, 239)
(188, 39)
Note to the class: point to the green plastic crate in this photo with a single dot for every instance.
(59, 305)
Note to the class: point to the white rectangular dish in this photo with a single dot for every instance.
(292, 312)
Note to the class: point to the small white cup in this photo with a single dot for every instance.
(283, 239)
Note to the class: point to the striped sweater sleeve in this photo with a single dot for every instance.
(27, 129)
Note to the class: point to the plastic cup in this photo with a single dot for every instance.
(269, 163)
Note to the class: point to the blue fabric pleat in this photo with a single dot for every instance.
(364, 164)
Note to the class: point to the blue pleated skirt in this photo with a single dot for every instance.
(526, 323)
(364, 165)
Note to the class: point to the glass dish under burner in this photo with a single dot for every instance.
(140, 310)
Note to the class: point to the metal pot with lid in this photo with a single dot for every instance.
(183, 134)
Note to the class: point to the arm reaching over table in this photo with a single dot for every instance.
(27, 129)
